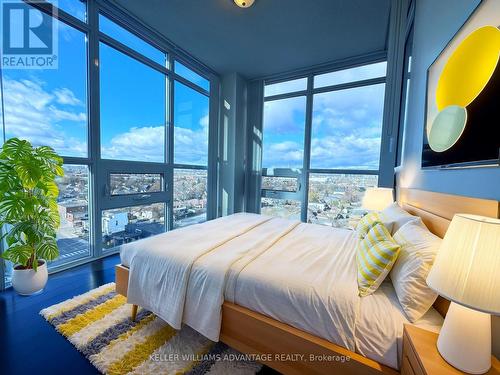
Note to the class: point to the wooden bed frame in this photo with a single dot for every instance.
(253, 333)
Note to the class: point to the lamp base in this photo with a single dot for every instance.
(465, 339)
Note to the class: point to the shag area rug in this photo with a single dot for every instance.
(98, 324)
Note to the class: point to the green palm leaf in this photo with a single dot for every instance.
(16, 149)
(12, 207)
(52, 189)
(18, 254)
(28, 201)
(47, 249)
(29, 172)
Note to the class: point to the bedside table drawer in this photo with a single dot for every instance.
(410, 359)
(406, 367)
(421, 356)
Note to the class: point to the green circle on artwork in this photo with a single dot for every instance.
(447, 128)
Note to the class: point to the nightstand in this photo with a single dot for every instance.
(421, 357)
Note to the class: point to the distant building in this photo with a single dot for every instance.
(73, 210)
(114, 223)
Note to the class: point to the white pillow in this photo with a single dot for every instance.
(418, 251)
(396, 217)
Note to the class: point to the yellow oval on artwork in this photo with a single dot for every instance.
(469, 68)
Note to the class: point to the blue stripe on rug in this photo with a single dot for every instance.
(80, 309)
(205, 365)
(112, 333)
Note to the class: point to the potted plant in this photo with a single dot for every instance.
(28, 211)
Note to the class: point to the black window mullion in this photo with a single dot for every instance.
(304, 188)
(94, 134)
(170, 147)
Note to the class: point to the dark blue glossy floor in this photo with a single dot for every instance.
(30, 345)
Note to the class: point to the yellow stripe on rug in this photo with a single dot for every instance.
(116, 349)
(81, 321)
(141, 352)
(84, 336)
(56, 310)
(176, 356)
(101, 328)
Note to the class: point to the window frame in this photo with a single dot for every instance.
(306, 170)
(406, 84)
(108, 166)
(100, 198)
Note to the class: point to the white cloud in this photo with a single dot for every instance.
(286, 115)
(204, 121)
(141, 143)
(66, 96)
(41, 116)
(351, 75)
(33, 113)
(147, 144)
(348, 152)
(287, 154)
(190, 147)
(346, 130)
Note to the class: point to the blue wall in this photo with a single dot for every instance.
(435, 24)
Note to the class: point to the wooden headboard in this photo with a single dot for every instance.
(437, 210)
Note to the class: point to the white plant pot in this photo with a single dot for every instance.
(28, 282)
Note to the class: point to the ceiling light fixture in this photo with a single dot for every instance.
(244, 3)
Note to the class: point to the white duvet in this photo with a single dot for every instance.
(307, 280)
(161, 265)
(300, 274)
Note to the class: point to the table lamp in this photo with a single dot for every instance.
(467, 272)
(376, 199)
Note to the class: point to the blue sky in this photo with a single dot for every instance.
(49, 107)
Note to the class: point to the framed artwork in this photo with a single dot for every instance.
(462, 125)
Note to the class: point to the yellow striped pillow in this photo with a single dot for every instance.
(375, 256)
(366, 223)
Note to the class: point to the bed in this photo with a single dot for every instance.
(287, 287)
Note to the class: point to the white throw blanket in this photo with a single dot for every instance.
(161, 267)
(205, 293)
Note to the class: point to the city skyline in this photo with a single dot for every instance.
(189, 207)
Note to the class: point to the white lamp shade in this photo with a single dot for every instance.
(376, 199)
(467, 266)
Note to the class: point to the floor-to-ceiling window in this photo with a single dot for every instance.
(50, 107)
(321, 144)
(133, 172)
(190, 151)
(131, 118)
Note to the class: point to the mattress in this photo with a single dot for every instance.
(307, 279)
